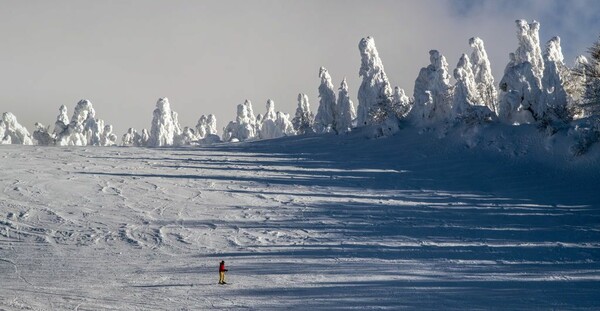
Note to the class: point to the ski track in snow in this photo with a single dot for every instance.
(300, 227)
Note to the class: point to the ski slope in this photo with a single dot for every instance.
(503, 218)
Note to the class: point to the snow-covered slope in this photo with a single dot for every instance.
(304, 223)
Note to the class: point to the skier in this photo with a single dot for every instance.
(222, 271)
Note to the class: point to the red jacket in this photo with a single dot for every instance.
(222, 268)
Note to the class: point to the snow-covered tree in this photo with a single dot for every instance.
(375, 92)
(207, 125)
(244, 127)
(529, 49)
(42, 135)
(589, 72)
(521, 84)
(62, 121)
(556, 74)
(325, 120)
(108, 138)
(482, 71)
(93, 128)
(165, 127)
(433, 81)
(304, 118)
(401, 104)
(346, 111)
(11, 132)
(467, 105)
(83, 129)
(132, 138)
(275, 124)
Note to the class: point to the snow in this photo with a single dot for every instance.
(555, 75)
(304, 223)
(401, 103)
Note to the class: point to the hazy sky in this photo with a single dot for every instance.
(208, 56)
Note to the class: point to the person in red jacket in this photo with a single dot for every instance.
(222, 271)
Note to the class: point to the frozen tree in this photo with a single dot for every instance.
(346, 114)
(275, 124)
(482, 71)
(82, 128)
(93, 128)
(375, 92)
(165, 127)
(11, 132)
(207, 125)
(401, 104)
(529, 49)
(304, 118)
(145, 137)
(589, 73)
(244, 127)
(521, 84)
(284, 123)
(433, 81)
(188, 136)
(42, 135)
(556, 73)
(325, 120)
(108, 138)
(134, 139)
(467, 106)
(576, 86)
(62, 121)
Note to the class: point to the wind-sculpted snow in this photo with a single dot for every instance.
(309, 223)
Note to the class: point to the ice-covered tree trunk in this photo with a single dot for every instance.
(325, 120)
(555, 74)
(347, 114)
(433, 81)
(11, 132)
(375, 92)
(164, 127)
(304, 118)
(482, 72)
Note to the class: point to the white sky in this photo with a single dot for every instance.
(208, 56)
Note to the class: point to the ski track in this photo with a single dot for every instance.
(144, 229)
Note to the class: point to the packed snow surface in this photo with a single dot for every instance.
(304, 223)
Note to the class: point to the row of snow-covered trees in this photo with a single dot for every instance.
(537, 87)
